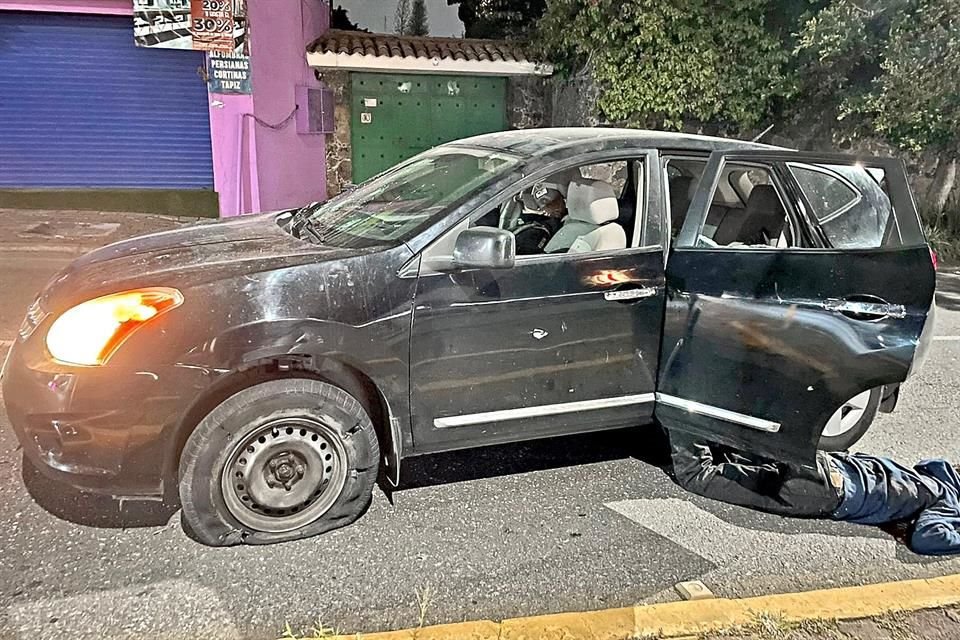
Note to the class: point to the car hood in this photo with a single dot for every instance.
(189, 257)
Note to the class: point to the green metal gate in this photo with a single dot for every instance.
(394, 117)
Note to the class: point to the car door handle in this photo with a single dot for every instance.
(626, 295)
(862, 309)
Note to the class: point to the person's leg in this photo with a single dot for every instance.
(879, 491)
(790, 490)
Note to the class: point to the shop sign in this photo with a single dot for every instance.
(203, 25)
(212, 25)
(228, 73)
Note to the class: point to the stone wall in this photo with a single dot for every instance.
(339, 162)
(528, 105)
(574, 101)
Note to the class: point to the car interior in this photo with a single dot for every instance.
(746, 209)
(578, 210)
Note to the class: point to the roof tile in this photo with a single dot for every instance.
(392, 46)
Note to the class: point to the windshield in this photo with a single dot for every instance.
(401, 202)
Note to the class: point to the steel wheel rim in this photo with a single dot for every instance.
(284, 474)
(846, 417)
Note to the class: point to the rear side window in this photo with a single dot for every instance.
(827, 194)
(848, 201)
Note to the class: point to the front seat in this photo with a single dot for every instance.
(589, 226)
(761, 221)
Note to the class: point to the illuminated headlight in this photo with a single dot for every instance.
(89, 333)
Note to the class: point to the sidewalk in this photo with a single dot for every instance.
(76, 232)
(906, 610)
(933, 624)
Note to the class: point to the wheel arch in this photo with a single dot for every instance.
(285, 366)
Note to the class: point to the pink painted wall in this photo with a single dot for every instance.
(234, 154)
(103, 7)
(291, 167)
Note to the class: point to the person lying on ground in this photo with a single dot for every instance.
(920, 506)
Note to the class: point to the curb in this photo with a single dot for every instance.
(694, 618)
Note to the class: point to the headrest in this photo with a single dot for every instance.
(680, 189)
(763, 197)
(592, 201)
(562, 179)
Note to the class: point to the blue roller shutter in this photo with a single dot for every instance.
(82, 106)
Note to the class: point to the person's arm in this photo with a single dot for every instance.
(936, 533)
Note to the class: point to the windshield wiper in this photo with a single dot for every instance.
(306, 224)
(301, 222)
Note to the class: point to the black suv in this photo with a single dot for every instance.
(510, 286)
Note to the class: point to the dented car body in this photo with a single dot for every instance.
(733, 290)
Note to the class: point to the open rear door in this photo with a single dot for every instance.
(763, 341)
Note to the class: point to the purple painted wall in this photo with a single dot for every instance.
(291, 167)
(103, 7)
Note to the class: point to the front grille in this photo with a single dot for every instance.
(35, 315)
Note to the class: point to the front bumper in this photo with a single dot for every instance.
(100, 429)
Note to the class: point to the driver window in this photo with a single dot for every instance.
(578, 210)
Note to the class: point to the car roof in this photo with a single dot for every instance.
(533, 142)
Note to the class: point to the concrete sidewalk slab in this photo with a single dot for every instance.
(703, 617)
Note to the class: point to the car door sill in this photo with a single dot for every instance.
(716, 412)
(542, 410)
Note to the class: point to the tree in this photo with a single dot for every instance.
(339, 19)
(671, 63)
(499, 18)
(890, 68)
(419, 21)
(401, 20)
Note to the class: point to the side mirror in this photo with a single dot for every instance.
(484, 248)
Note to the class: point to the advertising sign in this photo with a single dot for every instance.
(228, 73)
(212, 25)
(204, 25)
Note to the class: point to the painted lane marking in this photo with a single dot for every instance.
(946, 338)
(741, 553)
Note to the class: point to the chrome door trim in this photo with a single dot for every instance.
(716, 412)
(877, 309)
(542, 410)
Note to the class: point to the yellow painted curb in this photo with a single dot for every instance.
(679, 619)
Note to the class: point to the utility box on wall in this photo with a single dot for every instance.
(315, 107)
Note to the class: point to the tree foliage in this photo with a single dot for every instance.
(419, 21)
(667, 63)
(893, 66)
(401, 18)
(499, 18)
(340, 19)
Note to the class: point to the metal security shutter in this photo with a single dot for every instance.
(394, 117)
(81, 106)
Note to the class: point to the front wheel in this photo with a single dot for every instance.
(850, 422)
(277, 461)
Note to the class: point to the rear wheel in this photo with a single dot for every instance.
(280, 460)
(850, 422)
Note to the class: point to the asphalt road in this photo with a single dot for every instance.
(566, 524)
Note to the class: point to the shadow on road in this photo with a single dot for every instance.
(644, 443)
(93, 510)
